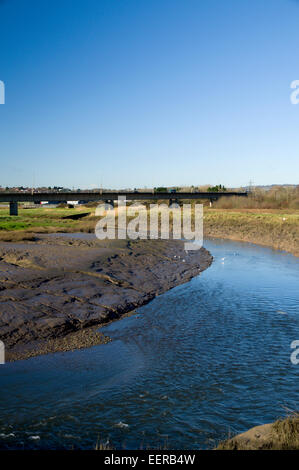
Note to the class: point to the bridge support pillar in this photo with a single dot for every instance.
(108, 204)
(211, 202)
(173, 201)
(13, 208)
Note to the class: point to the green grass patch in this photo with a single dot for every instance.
(31, 219)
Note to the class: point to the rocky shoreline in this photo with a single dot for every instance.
(56, 291)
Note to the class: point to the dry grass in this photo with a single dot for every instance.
(281, 435)
(287, 432)
(276, 198)
(101, 445)
(274, 228)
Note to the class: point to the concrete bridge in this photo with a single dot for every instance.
(13, 198)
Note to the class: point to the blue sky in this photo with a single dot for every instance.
(133, 93)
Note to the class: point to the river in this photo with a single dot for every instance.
(207, 359)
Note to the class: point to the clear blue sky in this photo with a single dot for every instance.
(129, 93)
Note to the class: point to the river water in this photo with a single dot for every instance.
(207, 359)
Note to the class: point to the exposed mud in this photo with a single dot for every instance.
(56, 291)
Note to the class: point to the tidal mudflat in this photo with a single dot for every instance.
(58, 289)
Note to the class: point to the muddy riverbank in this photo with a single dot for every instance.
(57, 290)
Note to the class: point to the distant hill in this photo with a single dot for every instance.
(269, 186)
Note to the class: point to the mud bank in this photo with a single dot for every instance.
(56, 291)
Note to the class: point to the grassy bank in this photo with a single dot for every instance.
(44, 220)
(281, 435)
(277, 228)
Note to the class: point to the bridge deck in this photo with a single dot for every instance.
(103, 196)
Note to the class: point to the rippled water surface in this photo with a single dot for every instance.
(207, 358)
